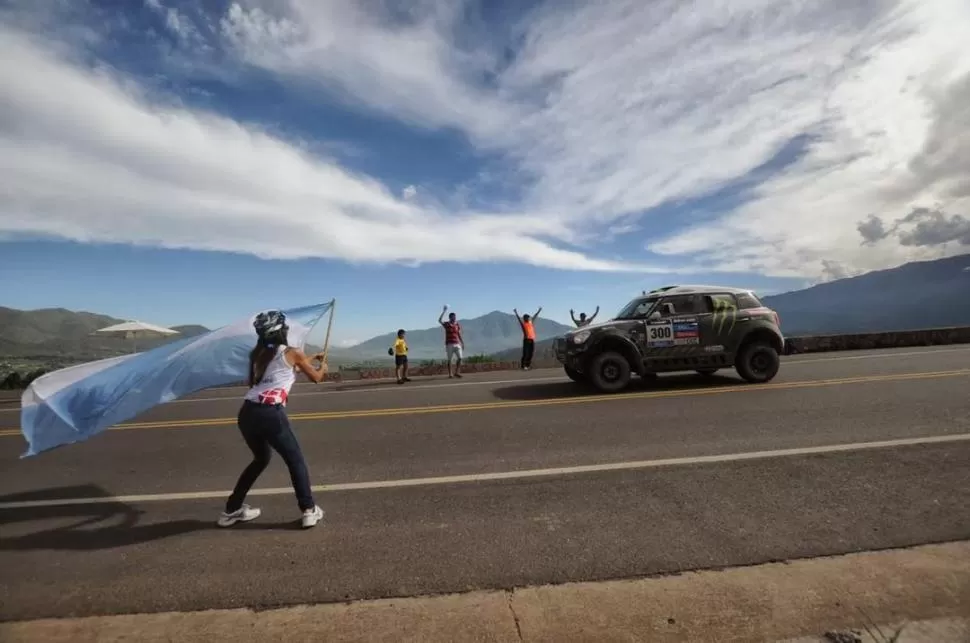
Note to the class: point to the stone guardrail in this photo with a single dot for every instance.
(864, 341)
(793, 345)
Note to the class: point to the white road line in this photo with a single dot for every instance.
(874, 356)
(364, 389)
(505, 475)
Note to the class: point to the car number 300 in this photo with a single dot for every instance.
(660, 332)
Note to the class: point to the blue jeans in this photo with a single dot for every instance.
(266, 428)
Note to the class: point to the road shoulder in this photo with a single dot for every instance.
(922, 589)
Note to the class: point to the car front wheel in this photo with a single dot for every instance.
(758, 362)
(609, 372)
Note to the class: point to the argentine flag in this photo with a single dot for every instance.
(72, 404)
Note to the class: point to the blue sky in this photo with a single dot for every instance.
(173, 287)
(183, 162)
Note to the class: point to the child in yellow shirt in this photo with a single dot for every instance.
(401, 358)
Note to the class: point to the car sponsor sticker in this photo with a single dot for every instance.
(685, 332)
(679, 331)
(715, 348)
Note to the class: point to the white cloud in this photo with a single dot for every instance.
(878, 115)
(614, 108)
(409, 192)
(178, 24)
(413, 72)
(86, 155)
(607, 110)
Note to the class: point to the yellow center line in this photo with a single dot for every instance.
(584, 399)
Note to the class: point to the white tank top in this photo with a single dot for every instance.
(275, 386)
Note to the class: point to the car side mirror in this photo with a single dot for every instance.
(654, 315)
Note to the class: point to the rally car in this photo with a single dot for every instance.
(676, 328)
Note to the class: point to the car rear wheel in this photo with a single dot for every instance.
(609, 372)
(574, 375)
(758, 362)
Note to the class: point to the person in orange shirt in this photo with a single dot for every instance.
(528, 336)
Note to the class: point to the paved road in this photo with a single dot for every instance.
(143, 547)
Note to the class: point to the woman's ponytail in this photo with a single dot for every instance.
(259, 359)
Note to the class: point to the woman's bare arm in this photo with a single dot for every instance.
(299, 359)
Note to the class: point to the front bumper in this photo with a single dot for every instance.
(568, 354)
(559, 349)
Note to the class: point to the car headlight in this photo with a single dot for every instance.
(580, 337)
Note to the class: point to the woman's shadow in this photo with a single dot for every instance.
(101, 523)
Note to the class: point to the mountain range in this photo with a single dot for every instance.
(915, 295)
(920, 294)
(484, 335)
(57, 332)
(60, 333)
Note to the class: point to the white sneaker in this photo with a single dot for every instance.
(243, 514)
(312, 516)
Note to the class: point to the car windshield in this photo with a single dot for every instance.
(637, 308)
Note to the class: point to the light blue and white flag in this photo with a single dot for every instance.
(72, 404)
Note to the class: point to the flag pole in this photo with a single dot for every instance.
(326, 341)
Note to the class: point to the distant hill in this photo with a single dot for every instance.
(37, 327)
(190, 330)
(60, 333)
(65, 336)
(490, 333)
(924, 294)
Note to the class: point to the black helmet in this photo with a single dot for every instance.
(270, 323)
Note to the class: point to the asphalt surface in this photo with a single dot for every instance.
(164, 552)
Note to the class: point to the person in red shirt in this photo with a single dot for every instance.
(528, 337)
(454, 342)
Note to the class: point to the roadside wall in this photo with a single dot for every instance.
(793, 346)
(862, 341)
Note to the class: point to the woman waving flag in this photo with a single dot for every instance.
(75, 403)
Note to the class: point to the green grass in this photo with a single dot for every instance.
(479, 359)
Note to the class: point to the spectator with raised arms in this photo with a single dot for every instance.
(528, 336)
(454, 342)
(583, 321)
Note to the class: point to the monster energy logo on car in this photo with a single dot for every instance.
(724, 308)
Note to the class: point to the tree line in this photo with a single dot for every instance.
(16, 381)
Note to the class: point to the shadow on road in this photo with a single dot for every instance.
(366, 385)
(539, 391)
(81, 527)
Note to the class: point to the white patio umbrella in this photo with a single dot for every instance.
(135, 330)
